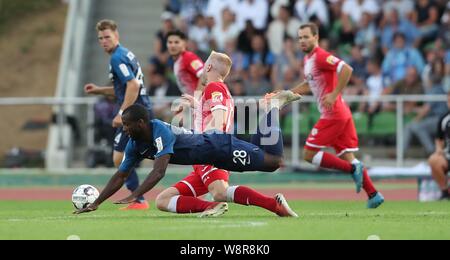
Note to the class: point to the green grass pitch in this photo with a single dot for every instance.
(319, 220)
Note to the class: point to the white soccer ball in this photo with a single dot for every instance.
(84, 195)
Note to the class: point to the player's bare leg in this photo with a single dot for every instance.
(439, 168)
(132, 184)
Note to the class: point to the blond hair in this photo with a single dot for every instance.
(221, 63)
(105, 25)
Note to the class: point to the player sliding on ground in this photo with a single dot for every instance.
(166, 144)
(326, 76)
(214, 110)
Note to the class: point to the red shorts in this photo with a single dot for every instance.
(338, 134)
(196, 184)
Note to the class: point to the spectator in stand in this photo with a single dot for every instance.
(260, 54)
(426, 17)
(226, 30)
(287, 61)
(366, 35)
(305, 9)
(191, 8)
(396, 24)
(284, 25)
(256, 11)
(404, 8)
(199, 33)
(161, 56)
(245, 38)
(359, 64)
(428, 116)
(257, 85)
(237, 70)
(216, 7)
(409, 85)
(399, 59)
(160, 88)
(355, 9)
(374, 89)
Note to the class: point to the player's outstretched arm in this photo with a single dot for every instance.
(302, 89)
(159, 171)
(92, 89)
(111, 188)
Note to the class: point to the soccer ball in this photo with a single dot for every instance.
(84, 195)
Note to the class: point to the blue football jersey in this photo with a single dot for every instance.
(124, 67)
(187, 148)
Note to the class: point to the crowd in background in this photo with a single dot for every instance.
(394, 46)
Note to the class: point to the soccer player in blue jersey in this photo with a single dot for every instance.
(129, 89)
(164, 143)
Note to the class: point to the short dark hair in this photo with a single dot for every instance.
(136, 113)
(178, 33)
(314, 28)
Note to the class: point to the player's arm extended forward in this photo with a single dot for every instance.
(92, 89)
(115, 183)
(302, 89)
(159, 171)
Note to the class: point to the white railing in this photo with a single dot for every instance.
(63, 103)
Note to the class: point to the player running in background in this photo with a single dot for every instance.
(439, 161)
(166, 144)
(188, 66)
(128, 80)
(326, 77)
(215, 111)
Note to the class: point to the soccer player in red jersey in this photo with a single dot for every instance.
(188, 66)
(214, 112)
(326, 77)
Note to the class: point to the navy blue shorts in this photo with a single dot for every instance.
(241, 156)
(120, 140)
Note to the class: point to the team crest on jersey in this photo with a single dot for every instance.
(196, 65)
(332, 60)
(314, 132)
(217, 97)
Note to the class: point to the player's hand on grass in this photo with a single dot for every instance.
(117, 122)
(329, 100)
(127, 200)
(90, 208)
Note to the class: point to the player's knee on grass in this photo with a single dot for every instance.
(162, 203)
(163, 199)
(218, 190)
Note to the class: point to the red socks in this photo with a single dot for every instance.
(192, 205)
(330, 161)
(246, 196)
(368, 184)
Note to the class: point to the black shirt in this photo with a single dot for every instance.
(444, 133)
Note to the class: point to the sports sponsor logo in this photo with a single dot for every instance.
(124, 69)
(196, 65)
(159, 144)
(332, 60)
(217, 97)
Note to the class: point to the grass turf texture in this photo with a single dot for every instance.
(319, 220)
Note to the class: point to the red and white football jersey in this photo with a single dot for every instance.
(188, 68)
(321, 72)
(215, 96)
